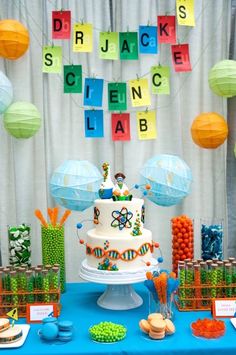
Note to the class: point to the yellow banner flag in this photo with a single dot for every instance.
(13, 314)
(185, 12)
(146, 122)
(82, 37)
(139, 92)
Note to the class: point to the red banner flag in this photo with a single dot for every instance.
(180, 57)
(61, 24)
(166, 29)
(120, 125)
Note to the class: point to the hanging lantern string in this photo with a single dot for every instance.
(174, 96)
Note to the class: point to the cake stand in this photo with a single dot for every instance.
(119, 294)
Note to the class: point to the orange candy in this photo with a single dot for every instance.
(208, 328)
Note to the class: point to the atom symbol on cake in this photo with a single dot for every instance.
(122, 218)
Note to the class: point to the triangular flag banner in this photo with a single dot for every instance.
(61, 24)
(148, 39)
(109, 45)
(93, 91)
(160, 80)
(185, 12)
(93, 123)
(13, 314)
(52, 59)
(139, 92)
(166, 29)
(117, 100)
(120, 123)
(180, 57)
(82, 37)
(72, 79)
(128, 45)
(146, 122)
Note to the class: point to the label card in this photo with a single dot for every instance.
(148, 40)
(180, 57)
(93, 123)
(52, 59)
(117, 100)
(72, 79)
(128, 45)
(83, 37)
(224, 307)
(185, 12)
(166, 29)
(37, 311)
(93, 91)
(61, 24)
(108, 45)
(146, 122)
(120, 124)
(139, 92)
(160, 80)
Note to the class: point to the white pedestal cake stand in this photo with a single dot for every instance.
(119, 294)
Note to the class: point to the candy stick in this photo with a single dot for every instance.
(54, 216)
(149, 275)
(64, 217)
(50, 213)
(39, 215)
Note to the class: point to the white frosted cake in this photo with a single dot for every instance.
(119, 240)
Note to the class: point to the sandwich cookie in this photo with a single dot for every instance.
(158, 325)
(64, 336)
(155, 316)
(144, 326)
(65, 325)
(11, 335)
(157, 335)
(4, 324)
(170, 328)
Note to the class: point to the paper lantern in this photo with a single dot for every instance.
(14, 39)
(6, 92)
(209, 130)
(22, 119)
(169, 178)
(222, 78)
(75, 184)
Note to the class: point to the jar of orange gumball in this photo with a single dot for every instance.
(182, 240)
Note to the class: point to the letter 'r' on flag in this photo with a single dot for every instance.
(166, 29)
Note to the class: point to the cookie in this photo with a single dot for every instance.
(170, 327)
(11, 335)
(157, 325)
(64, 336)
(157, 335)
(4, 324)
(155, 316)
(144, 326)
(65, 325)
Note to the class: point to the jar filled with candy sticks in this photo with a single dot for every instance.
(212, 240)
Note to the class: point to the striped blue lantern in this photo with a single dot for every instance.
(6, 92)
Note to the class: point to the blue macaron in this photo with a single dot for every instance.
(49, 320)
(64, 336)
(49, 331)
(65, 325)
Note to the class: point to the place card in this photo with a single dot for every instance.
(224, 307)
(37, 311)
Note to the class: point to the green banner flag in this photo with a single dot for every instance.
(128, 45)
(160, 80)
(72, 79)
(52, 59)
(108, 45)
(117, 100)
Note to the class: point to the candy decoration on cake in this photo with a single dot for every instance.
(53, 249)
(121, 191)
(136, 228)
(212, 240)
(106, 188)
(107, 332)
(19, 245)
(96, 214)
(107, 265)
(122, 218)
(168, 177)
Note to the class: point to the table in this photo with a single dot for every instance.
(79, 305)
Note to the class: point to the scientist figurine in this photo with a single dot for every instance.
(121, 191)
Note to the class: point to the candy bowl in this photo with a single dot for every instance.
(208, 328)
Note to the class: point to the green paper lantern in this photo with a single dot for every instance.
(222, 78)
(22, 119)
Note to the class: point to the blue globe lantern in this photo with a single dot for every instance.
(6, 92)
(169, 178)
(75, 184)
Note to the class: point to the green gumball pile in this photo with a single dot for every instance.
(107, 332)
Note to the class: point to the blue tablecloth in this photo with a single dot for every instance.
(79, 305)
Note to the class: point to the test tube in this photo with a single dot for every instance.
(228, 279)
(234, 277)
(189, 275)
(220, 278)
(213, 280)
(181, 274)
(203, 273)
(14, 287)
(197, 283)
(39, 283)
(30, 286)
(7, 285)
(46, 285)
(55, 283)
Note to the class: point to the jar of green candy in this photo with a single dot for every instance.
(19, 245)
(53, 249)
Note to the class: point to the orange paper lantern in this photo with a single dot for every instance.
(209, 130)
(14, 39)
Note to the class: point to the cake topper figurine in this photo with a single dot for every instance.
(121, 191)
(106, 188)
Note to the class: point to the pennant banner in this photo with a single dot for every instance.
(160, 80)
(109, 45)
(93, 123)
(83, 37)
(148, 40)
(93, 91)
(52, 59)
(61, 24)
(146, 122)
(185, 12)
(180, 57)
(120, 124)
(73, 79)
(139, 92)
(117, 100)
(128, 45)
(166, 29)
